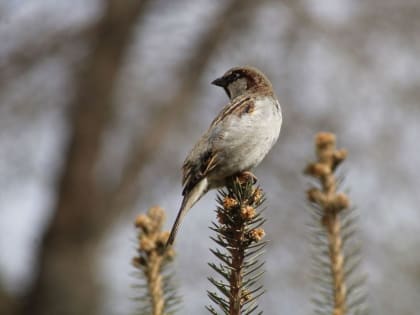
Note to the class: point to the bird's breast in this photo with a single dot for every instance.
(248, 138)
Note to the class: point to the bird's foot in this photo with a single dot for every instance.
(245, 176)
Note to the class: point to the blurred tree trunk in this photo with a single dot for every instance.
(8, 303)
(66, 277)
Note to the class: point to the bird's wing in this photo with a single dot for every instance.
(204, 157)
(196, 169)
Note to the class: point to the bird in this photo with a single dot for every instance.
(237, 140)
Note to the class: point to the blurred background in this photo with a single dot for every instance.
(100, 102)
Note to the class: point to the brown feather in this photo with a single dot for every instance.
(237, 108)
(193, 173)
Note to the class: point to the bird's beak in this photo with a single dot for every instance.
(219, 82)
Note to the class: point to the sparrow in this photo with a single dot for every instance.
(237, 140)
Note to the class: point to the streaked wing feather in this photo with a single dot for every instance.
(197, 167)
(194, 171)
(242, 105)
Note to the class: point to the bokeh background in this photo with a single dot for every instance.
(100, 102)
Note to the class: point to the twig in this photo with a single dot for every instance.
(332, 203)
(152, 259)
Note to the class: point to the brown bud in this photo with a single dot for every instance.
(321, 170)
(146, 244)
(257, 195)
(157, 213)
(324, 139)
(340, 154)
(142, 221)
(340, 202)
(317, 169)
(162, 237)
(257, 234)
(245, 296)
(157, 216)
(229, 203)
(315, 195)
(247, 212)
(338, 157)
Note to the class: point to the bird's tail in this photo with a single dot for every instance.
(189, 200)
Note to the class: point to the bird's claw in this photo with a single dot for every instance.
(245, 176)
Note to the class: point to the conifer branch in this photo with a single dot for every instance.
(239, 234)
(159, 296)
(336, 256)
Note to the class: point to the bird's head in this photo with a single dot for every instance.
(243, 80)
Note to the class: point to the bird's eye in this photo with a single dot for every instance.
(234, 76)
